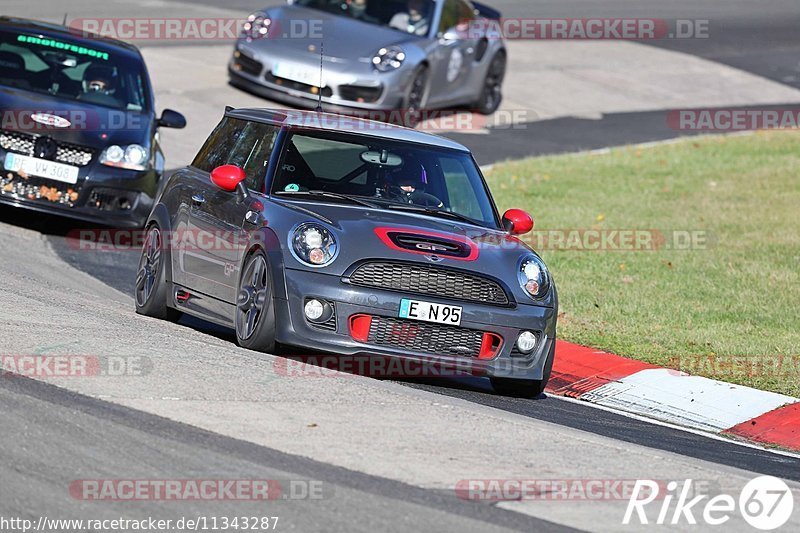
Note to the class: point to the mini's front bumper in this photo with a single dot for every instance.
(506, 322)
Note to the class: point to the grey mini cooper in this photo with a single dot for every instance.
(379, 56)
(352, 237)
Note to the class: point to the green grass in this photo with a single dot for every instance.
(736, 298)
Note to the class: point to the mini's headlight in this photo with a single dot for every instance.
(132, 157)
(256, 26)
(389, 58)
(314, 245)
(533, 276)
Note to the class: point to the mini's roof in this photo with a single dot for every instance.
(343, 123)
(74, 35)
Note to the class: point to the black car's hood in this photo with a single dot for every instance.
(361, 234)
(89, 125)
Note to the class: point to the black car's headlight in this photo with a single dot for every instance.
(389, 58)
(314, 245)
(533, 276)
(256, 26)
(132, 157)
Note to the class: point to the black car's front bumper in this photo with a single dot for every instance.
(107, 196)
(506, 322)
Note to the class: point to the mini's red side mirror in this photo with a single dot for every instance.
(227, 177)
(517, 222)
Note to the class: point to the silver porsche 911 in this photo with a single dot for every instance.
(376, 56)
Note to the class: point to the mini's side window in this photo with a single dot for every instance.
(246, 144)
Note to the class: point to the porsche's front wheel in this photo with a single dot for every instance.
(255, 312)
(492, 93)
(151, 285)
(413, 105)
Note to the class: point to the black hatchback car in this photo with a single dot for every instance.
(79, 133)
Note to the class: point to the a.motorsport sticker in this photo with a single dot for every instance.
(292, 187)
(59, 45)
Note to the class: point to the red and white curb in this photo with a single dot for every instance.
(674, 397)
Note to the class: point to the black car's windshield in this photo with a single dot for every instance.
(73, 71)
(411, 16)
(387, 173)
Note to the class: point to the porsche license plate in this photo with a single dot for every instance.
(298, 73)
(430, 312)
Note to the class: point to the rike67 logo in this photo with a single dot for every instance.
(766, 503)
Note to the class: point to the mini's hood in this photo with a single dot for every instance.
(345, 39)
(87, 124)
(362, 234)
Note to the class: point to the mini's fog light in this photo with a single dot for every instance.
(526, 342)
(314, 310)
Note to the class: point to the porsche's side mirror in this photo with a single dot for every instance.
(517, 222)
(172, 119)
(227, 177)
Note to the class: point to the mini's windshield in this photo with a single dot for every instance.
(72, 71)
(333, 167)
(411, 16)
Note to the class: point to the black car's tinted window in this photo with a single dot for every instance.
(72, 71)
(245, 144)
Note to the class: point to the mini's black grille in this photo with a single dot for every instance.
(25, 143)
(425, 338)
(248, 65)
(358, 93)
(421, 279)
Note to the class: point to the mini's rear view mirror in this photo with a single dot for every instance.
(383, 158)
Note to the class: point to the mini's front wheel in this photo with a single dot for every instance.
(150, 292)
(518, 388)
(255, 313)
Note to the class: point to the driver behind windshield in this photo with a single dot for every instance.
(414, 19)
(99, 85)
(409, 186)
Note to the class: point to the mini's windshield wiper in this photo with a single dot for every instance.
(326, 194)
(434, 212)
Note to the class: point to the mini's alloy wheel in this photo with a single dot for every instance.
(150, 292)
(255, 321)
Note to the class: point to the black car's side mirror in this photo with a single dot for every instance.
(171, 119)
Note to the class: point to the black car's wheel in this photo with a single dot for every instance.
(414, 103)
(255, 314)
(492, 93)
(151, 285)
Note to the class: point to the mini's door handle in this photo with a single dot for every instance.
(198, 200)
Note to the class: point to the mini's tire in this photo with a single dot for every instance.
(255, 311)
(150, 291)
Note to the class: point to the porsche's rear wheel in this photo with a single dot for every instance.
(255, 313)
(492, 93)
(151, 285)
